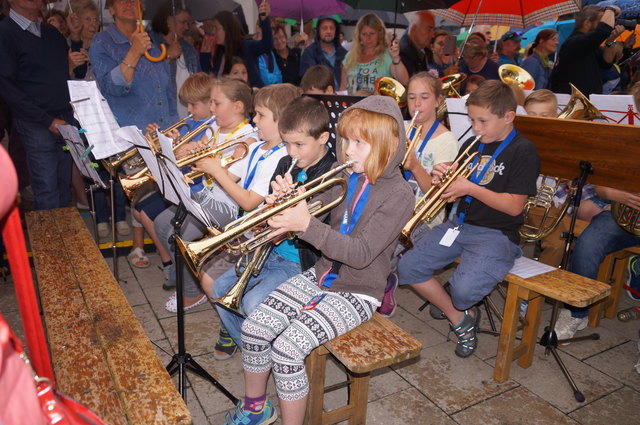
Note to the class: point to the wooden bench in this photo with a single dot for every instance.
(612, 271)
(100, 353)
(559, 285)
(373, 345)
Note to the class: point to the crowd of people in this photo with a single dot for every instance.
(342, 267)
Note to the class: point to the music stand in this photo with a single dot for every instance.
(174, 189)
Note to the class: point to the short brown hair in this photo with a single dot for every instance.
(379, 130)
(306, 115)
(276, 97)
(495, 96)
(430, 80)
(236, 91)
(318, 77)
(542, 96)
(196, 88)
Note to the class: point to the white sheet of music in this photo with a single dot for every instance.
(618, 108)
(93, 113)
(78, 153)
(166, 145)
(526, 268)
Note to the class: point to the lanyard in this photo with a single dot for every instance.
(238, 127)
(349, 220)
(251, 172)
(478, 175)
(427, 137)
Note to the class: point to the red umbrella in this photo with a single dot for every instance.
(514, 13)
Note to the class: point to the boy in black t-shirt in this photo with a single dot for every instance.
(484, 235)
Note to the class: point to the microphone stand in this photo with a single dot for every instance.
(114, 248)
(549, 339)
(90, 189)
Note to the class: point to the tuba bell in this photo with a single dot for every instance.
(628, 218)
(532, 230)
(450, 88)
(580, 108)
(386, 86)
(513, 74)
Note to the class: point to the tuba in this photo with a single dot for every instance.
(628, 218)
(196, 253)
(513, 74)
(432, 202)
(580, 108)
(532, 231)
(386, 86)
(450, 88)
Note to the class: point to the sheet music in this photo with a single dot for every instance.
(77, 148)
(167, 175)
(92, 111)
(619, 108)
(526, 268)
(166, 145)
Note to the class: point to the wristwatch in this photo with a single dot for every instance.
(610, 43)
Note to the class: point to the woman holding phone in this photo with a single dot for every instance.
(443, 46)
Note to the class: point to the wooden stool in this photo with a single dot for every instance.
(612, 271)
(373, 345)
(558, 284)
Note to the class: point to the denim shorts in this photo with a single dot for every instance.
(486, 256)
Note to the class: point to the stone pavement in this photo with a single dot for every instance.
(435, 388)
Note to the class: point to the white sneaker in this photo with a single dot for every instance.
(123, 229)
(567, 326)
(103, 230)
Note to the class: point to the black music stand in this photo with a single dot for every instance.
(549, 339)
(182, 360)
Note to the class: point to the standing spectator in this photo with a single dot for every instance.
(231, 41)
(537, 60)
(414, 44)
(443, 64)
(509, 47)
(84, 26)
(326, 49)
(169, 25)
(38, 98)
(371, 57)
(288, 60)
(580, 57)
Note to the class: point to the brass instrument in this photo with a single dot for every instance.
(413, 141)
(628, 218)
(385, 86)
(431, 202)
(513, 74)
(450, 88)
(196, 253)
(163, 49)
(128, 155)
(134, 182)
(531, 231)
(580, 108)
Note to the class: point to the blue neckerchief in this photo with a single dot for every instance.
(408, 174)
(251, 172)
(348, 223)
(478, 175)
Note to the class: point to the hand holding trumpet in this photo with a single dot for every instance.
(458, 188)
(294, 219)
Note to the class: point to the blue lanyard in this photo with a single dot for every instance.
(251, 172)
(427, 137)
(478, 175)
(348, 223)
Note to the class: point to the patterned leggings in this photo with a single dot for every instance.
(278, 335)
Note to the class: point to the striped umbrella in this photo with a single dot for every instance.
(514, 13)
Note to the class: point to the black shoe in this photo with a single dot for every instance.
(169, 285)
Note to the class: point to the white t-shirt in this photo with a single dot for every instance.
(182, 73)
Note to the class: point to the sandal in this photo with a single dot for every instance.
(467, 333)
(137, 258)
(172, 303)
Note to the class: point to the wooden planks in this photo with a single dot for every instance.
(101, 354)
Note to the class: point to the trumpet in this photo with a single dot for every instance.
(196, 253)
(412, 142)
(431, 202)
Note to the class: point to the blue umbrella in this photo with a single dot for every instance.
(564, 28)
(630, 8)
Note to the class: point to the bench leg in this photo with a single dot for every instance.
(507, 334)
(616, 287)
(316, 365)
(530, 332)
(358, 398)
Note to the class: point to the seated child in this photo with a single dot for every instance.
(318, 79)
(347, 283)
(304, 127)
(485, 235)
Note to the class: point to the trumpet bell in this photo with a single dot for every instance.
(512, 74)
(386, 86)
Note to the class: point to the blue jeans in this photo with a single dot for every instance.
(103, 211)
(602, 237)
(276, 270)
(49, 166)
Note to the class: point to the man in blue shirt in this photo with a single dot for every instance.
(34, 69)
(510, 51)
(325, 50)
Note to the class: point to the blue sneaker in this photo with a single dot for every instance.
(267, 415)
(633, 279)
